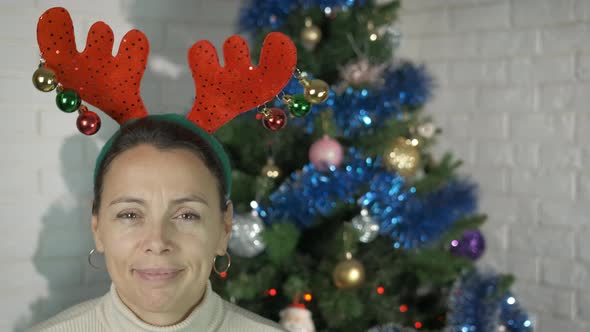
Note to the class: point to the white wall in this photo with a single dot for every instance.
(513, 82)
(513, 102)
(46, 164)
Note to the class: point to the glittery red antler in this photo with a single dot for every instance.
(107, 82)
(224, 92)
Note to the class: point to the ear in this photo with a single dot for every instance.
(96, 232)
(228, 219)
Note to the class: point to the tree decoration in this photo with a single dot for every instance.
(415, 221)
(270, 170)
(325, 153)
(391, 327)
(478, 302)
(471, 244)
(402, 157)
(360, 109)
(310, 35)
(297, 318)
(349, 273)
(362, 73)
(427, 130)
(311, 192)
(409, 266)
(366, 226)
(246, 237)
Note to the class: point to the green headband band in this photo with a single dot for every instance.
(185, 123)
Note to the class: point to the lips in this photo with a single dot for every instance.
(158, 274)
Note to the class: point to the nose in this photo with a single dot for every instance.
(157, 240)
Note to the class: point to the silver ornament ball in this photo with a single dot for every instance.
(427, 130)
(246, 237)
(366, 226)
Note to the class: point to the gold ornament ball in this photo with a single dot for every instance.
(402, 157)
(348, 274)
(270, 170)
(44, 79)
(311, 36)
(315, 91)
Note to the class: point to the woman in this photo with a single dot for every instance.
(161, 216)
(161, 212)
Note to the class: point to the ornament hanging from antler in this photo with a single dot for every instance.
(112, 83)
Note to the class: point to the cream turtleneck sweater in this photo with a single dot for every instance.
(109, 314)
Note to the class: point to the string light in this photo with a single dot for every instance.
(272, 292)
(223, 274)
(307, 297)
(418, 325)
(403, 308)
(380, 290)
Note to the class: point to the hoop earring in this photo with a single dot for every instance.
(90, 259)
(226, 268)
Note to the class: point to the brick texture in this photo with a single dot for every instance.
(512, 101)
(514, 106)
(47, 165)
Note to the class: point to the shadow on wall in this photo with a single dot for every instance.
(167, 86)
(65, 240)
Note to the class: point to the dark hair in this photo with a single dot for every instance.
(163, 135)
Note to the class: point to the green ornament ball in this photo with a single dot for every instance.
(68, 101)
(299, 106)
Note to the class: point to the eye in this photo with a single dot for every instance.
(127, 215)
(188, 216)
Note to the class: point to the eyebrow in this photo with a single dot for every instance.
(177, 201)
(190, 198)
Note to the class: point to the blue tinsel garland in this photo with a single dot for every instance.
(260, 14)
(406, 87)
(414, 221)
(391, 327)
(473, 307)
(310, 192)
(410, 220)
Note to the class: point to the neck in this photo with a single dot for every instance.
(163, 318)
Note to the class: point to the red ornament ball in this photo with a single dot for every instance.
(88, 123)
(275, 120)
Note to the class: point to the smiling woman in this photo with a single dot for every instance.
(164, 216)
(161, 213)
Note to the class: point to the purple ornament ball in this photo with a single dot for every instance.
(471, 245)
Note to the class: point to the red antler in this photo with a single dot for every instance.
(224, 92)
(107, 82)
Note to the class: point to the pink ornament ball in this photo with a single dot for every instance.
(325, 152)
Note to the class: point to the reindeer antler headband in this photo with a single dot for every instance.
(112, 83)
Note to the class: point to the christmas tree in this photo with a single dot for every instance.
(342, 210)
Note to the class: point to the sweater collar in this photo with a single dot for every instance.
(207, 316)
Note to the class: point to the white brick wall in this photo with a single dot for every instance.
(513, 104)
(46, 165)
(512, 100)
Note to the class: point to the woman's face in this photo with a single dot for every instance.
(160, 225)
